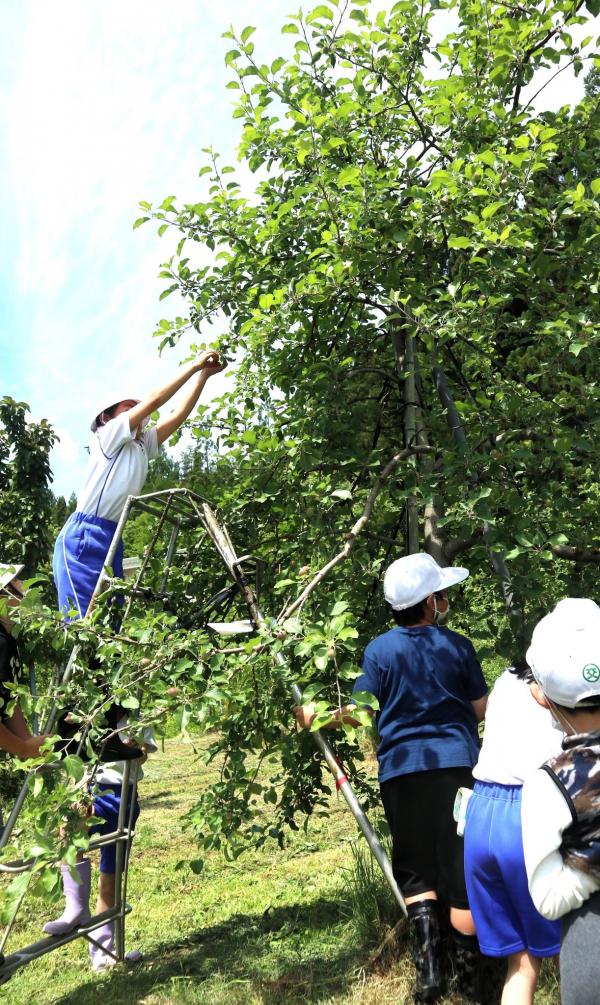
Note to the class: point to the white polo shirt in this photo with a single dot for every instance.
(117, 467)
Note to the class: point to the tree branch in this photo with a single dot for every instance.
(356, 529)
(576, 553)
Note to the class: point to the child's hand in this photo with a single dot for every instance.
(31, 746)
(210, 362)
(304, 715)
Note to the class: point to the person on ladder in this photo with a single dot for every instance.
(431, 693)
(120, 451)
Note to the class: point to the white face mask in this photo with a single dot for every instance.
(561, 722)
(440, 616)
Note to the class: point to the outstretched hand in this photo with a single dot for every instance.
(209, 363)
(31, 746)
(304, 715)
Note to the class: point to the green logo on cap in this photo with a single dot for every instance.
(591, 673)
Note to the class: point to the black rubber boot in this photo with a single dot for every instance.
(467, 960)
(426, 950)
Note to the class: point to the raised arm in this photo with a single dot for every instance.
(207, 362)
(165, 427)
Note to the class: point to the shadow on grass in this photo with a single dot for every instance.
(277, 958)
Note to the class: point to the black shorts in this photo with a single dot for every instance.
(427, 853)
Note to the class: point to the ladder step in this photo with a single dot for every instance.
(19, 959)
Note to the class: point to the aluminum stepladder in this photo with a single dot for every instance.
(175, 509)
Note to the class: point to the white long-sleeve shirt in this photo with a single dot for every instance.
(518, 734)
(556, 888)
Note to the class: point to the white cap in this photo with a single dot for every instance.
(108, 402)
(414, 577)
(8, 573)
(564, 654)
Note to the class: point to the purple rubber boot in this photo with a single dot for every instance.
(77, 899)
(101, 958)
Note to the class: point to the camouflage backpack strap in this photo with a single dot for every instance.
(557, 768)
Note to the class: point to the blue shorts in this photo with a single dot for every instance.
(505, 917)
(79, 556)
(106, 805)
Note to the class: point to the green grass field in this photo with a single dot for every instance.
(274, 927)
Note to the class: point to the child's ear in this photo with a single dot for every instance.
(538, 694)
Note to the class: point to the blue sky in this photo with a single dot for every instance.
(103, 104)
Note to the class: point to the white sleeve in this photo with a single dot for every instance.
(555, 887)
(151, 442)
(114, 434)
(149, 740)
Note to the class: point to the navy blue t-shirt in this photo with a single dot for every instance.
(425, 679)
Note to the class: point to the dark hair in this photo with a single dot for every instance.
(587, 705)
(522, 670)
(410, 615)
(106, 411)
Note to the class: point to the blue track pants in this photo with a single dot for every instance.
(79, 556)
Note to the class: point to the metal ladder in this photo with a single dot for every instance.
(176, 509)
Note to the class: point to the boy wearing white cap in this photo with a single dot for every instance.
(561, 801)
(431, 693)
(119, 454)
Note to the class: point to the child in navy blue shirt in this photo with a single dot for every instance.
(431, 694)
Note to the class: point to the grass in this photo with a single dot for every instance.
(273, 928)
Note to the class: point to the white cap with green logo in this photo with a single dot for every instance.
(564, 654)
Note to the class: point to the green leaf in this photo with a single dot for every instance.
(365, 698)
(595, 184)
(247, 32)
(459, 242)
(73, 766)
(319, 12)
(290, 29)
(140, 220)
(348, 175)
(490, 210)
(130, 701)
(487, 157)
(341, 494)
(576, 347)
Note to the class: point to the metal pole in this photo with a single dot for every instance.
(110, 554)
(343, 785)
(120, 917)
(170, 555)
(33, 690)
(223, 545)
(132, 795)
